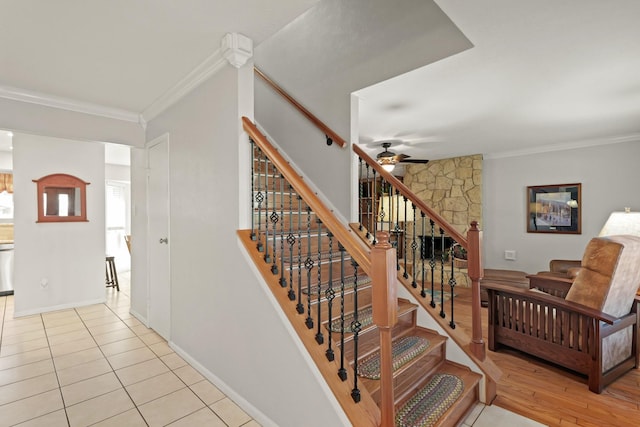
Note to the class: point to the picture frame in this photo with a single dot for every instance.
(554, 209)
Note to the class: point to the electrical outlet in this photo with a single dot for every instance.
(44, 283)
(510, 255)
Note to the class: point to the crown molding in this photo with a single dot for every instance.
(202, 72)
(46, 100)
(634, 137)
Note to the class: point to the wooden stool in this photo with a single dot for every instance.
(111, 275)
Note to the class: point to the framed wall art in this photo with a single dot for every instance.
(554, 209)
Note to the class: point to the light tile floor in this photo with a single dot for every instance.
(99, 366)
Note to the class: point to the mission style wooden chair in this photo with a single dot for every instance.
(593, 330)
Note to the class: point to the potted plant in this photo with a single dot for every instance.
(459, 255)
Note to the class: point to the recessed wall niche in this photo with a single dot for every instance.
(61, 198)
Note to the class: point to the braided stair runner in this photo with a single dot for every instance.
(427, 406)
(403, 350)
(365, 317)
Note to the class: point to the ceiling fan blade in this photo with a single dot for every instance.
(400, 157)
(423, 161)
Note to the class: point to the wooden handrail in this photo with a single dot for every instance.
(329, 133)
(404, 190)
(350, 242)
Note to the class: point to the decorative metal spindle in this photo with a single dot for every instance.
(291, 239)
(423, 293)
(330, 294)
(414, 246)
(370, 196)
(274, 220)
(374, 211)
(452, 284)
(283, 281)
(253, 189)
(442, 269)
(299, 306)
(259, 199)
(390, 213)
(360, 195)
(342, 372)
(397, 229)
(356, 327)
(267, 257)
(404, 239)
(319, 335)
(432, 260)
(308, 264)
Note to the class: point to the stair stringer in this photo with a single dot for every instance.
(455, 346)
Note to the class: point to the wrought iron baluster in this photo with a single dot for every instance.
(370, 197)
(396, 229)
(253, 189)
(283, 281)
(374, 211)
(259, 199)
(342, 372)
(442, 269)
(330, 294)
(308, 264)
(267, 257)
(414, 246)
(423, 293)
(432, 260)
(356, 327)
(404, 239)
(274, 220)
(291, 239)
(452, 284)
(319, 335)
(299, 306)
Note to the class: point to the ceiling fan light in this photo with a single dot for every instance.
(388, 167)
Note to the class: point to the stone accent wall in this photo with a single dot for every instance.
(452, 187)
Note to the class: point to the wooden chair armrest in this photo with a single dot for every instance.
(536, 297)
(541, 281)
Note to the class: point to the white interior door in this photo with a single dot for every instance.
(159, 304)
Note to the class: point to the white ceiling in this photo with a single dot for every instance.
(542, 74)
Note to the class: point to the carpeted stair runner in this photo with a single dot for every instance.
(365, 317)
(427, 406)
(403, 350)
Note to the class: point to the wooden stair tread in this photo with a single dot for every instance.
(467, 399)
(433, 355)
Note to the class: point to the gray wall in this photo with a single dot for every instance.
(609, 175)
(332, 50)
(221, 315)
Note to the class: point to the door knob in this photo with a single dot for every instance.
(165, 240)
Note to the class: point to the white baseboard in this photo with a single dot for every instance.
(58, 307)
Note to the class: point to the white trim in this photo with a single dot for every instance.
(202, 72)
(563, 146)
(23, 95)
(139, 316)
(60, 307)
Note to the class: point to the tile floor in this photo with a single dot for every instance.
(99, 366)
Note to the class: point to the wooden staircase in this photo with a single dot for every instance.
(318, 278)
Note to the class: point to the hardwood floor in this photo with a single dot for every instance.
(552, 395)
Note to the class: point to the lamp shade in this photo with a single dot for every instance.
(626, 222)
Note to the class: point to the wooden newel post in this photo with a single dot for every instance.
(385, 316)
(476, 272)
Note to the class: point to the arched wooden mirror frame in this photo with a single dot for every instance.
(66, 184)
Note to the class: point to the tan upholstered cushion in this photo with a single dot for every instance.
(610, 275)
